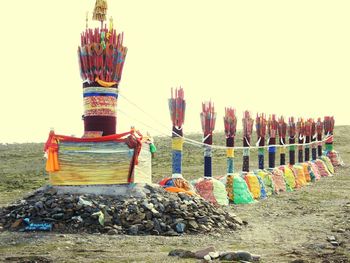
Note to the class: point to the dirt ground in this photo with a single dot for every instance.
(289, 227)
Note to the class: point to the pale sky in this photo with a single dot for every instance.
(283, 57)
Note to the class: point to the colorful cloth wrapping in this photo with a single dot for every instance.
(306, 172)
(328, 163)
(212, 190)
(263, 193)
(335, 158)
(322, 168)
(207, 161)
(300, 176)
(230, 160)
(268, 181)
(277, 177)
(253, 184)
(143, 169)
(100, 101)
(237, 190)
(177, 185)
(289, 177)
(315, 171)
(92, 163)
(272, 156)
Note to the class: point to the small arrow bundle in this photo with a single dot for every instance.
(292, 134)
(328, 125)
(308, 124)
(177, 107)
(313, 139)
(319, 130)
(282, 131)
(260, 125)
(208, 118)
(272, 127)
(248, 122)
(102, 56)
(230, 124)
(301, 134)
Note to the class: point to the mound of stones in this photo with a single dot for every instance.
(156, 213)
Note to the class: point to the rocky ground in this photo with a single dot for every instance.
(311, 224)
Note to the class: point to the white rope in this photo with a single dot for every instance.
(213, 146)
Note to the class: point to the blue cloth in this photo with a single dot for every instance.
(207, 166)
(177, 161)
(272, 149)
(93, 94)
(230, 165)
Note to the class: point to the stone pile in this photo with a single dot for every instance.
(158, 213)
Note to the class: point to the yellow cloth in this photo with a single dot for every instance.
(177, 143)
(230, 152)
(300, 176)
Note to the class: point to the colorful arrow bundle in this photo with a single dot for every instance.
(208, 118)
(319, 130)
(308, 128)
(313, 139)
(282, 131)
(177, 106)
(292, 134)
(260, 126)
(248, 122)
(272, 127)
(301, 134)
(230, 124)
(102, 56)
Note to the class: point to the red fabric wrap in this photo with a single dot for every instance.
(106, 124)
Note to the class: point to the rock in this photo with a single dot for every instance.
(340, 230)
(1, 228)
(331, 238)
(214, 255)
(180, 228)
(17, 223)
(58, 216)
(243, 255)
(203, 252)
(193, 224)
(207, 258)
(334, 243)
(133, 230)
(256, 258)
(112, 232)
(181, 253)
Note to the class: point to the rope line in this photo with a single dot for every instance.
(213, 146)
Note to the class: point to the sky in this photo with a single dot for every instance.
(290, 58)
